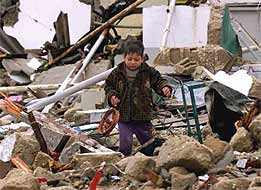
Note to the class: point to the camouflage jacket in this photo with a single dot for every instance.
(136, 100)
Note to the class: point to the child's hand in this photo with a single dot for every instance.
(166, 91)
(115, 100)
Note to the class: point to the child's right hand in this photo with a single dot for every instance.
(115, 100)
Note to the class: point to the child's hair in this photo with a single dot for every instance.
(134, 46)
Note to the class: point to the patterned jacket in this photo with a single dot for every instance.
(136, 101)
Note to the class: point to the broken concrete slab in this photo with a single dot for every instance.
(137, 165)
(28, 66)
(51, 77)
(181, 179)
(242, 141)
(97, 158)
(17, 179)
(185, 152)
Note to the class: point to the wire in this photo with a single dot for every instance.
(36, 21)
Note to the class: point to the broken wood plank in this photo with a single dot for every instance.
(97, 30)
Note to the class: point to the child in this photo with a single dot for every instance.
(129, 88)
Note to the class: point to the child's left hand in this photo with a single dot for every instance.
(166, 91)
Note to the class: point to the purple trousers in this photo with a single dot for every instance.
(141, 129)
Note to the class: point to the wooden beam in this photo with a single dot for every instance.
(97, 30)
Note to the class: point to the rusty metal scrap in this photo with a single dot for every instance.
(38, 134)
(57, 166)
(11, 107)
(19, 163)
(248, 118)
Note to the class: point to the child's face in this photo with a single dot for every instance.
(133, 61)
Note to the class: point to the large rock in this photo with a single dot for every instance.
(19, 180)
(181, 179)
(135, 168)
(255, 129)
(26, 146)
(255, 184)
(228, 184)
(42, 160)
(218, 147)
(185, 152)
(242, 141)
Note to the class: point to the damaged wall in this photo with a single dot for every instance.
(35, 19)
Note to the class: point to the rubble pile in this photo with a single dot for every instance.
(206, 136)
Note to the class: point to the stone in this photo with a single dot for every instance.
(181, 179)
(255, 129)
(136, 166)
(242, 141)
(228, 184)
(255, 184)
(218, 147)
(97, 158)
(185, 152)
(27, 147)
(42, 160)
(17, 179)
